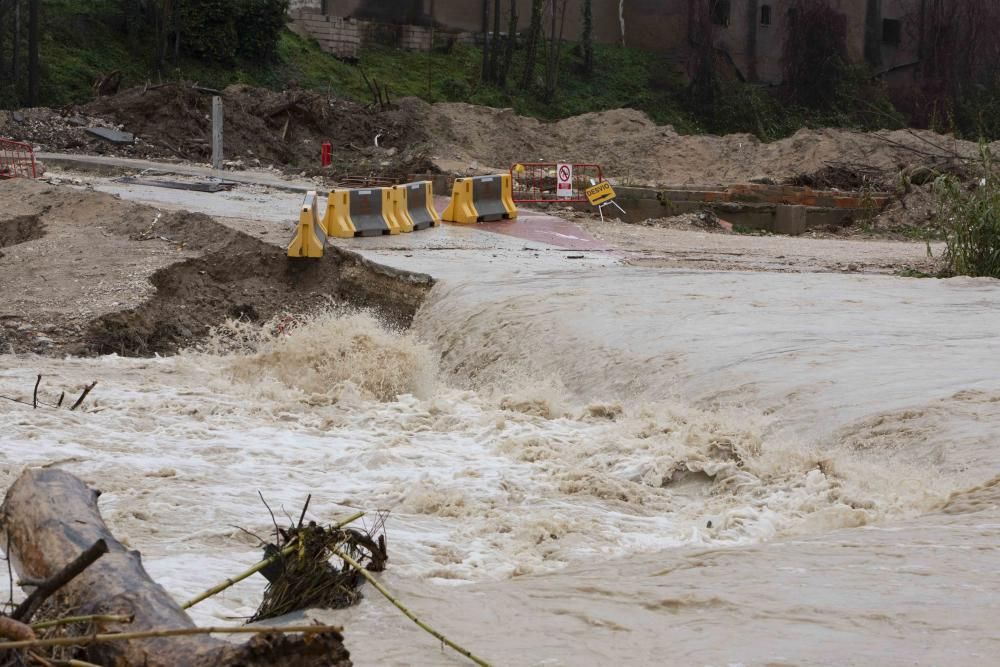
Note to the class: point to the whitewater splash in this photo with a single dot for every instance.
(495, 460)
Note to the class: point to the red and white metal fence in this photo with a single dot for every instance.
(17, 160)
(538, 182)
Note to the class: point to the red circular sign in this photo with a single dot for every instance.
(565, 173)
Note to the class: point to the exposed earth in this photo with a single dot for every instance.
(84, 272)
(285, 129)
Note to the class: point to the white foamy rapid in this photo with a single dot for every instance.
(568, 448)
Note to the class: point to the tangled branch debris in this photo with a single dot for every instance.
(300, 574)
(34, 402)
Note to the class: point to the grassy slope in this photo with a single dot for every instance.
(84, 39)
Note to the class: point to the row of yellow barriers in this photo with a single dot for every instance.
(399, 209)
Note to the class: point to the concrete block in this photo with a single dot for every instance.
(112, 136)
(790, 220)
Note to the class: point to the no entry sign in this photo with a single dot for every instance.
(565, 174)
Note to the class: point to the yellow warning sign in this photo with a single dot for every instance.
(601, 193)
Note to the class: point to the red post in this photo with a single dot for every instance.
(325, 158)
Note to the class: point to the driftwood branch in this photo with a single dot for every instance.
(72, 620)
(44, 591)
(51, 516)
(34, 402)
(86, 390)
(87, 640)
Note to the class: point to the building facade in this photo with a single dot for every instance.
(749, 34)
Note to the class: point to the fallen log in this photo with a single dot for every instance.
(50, 517)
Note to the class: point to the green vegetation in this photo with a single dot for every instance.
(971, 218)
(85, 40)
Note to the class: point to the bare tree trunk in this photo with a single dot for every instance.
(15, 63)
(484, 74)
(3, 40)
(555, 50)
(534, 36)
(33, 66)
(51, 517)
(588, 37)
(495, 46)
(508, 56)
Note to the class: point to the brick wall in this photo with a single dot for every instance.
(343, 37)
(308, 5)
(339, 36)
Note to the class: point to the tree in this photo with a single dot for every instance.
(495, 44)
(959, 53)
(555, 49)
(484, 75)
(33, 66)
(815, 54)
(588, 37)
(508, 56)
(534, 37)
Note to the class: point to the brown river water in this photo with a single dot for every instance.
(585, 467)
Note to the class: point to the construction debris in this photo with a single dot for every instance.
(112, 136)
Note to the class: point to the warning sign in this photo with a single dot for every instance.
(601, 193)
(564, 187)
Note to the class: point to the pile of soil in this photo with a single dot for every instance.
(635, 151)
(285, 129)
(98, 275)
(262, 128)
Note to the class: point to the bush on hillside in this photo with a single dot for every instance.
(223, 30)
(971, 219)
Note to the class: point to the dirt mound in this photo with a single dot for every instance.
(635, 151)
(262, 128)
(110, 276)
(286, 129)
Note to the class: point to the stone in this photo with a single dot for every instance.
(790, 220)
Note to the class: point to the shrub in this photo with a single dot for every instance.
(970, 217)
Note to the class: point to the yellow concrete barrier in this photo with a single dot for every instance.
(310, 237)
(360, 212)
(481, 199)
(419, 198)
(399, 213)
(392, 220)
(337, 221)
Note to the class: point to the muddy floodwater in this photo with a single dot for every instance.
(610, 465)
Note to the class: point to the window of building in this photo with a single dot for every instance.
(765, 15)
(890, 32)
(719, 12)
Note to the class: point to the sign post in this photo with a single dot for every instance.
(216, 133)
(564, 187)
(601, 195)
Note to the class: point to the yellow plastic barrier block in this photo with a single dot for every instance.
(337, 221)
(461, 209)
(507, 196)
(388, 213)
(419, 200)
(310, 237)
(399, 213)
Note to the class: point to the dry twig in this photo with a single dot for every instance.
(409, 614)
